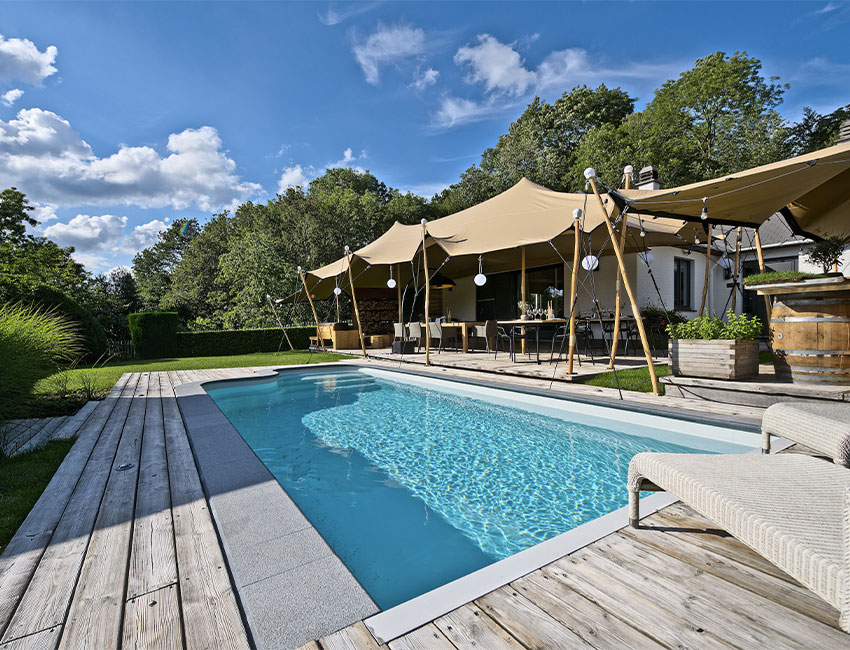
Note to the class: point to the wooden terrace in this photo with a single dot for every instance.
(121, 551)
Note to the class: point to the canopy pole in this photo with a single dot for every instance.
(573, 288)
(523, 296)
(627, 285)
(615, 334)
(760, 254)
(313, 307)
(398, 292)
(277, 318)
(707, 270)
(336, 298)
(735, 273)
(427, 298)
(354, 302)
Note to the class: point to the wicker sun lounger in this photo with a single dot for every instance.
(822, 426)
(793, 509)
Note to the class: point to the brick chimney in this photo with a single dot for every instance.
(648, 179)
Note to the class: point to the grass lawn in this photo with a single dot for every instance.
(22, 480)
(636, 379)
(65, 392)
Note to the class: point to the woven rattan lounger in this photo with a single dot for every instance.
(793, 509)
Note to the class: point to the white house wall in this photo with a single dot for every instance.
(460, 301)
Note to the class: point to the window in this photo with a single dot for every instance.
(683, 282)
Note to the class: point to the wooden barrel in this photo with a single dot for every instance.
(811, 336)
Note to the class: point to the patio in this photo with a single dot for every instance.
(121, 551)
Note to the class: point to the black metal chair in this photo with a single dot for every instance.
(527, 334)
(629, 334)
(584, 334)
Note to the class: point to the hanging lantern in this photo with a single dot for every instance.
(647, 257)
(480, 279)
(337, 291)
(725, 263)
(391, 282)
(590, 263)
(704, 214)
(589, 173)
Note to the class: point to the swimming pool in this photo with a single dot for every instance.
(414, 482)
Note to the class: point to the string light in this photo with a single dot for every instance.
(590, 263)
(647, 257)
(337, 291)
(704, 214)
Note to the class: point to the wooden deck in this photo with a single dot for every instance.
(121, 552)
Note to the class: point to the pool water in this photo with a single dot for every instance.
(415, 483)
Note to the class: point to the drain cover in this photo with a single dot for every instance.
(123, 467)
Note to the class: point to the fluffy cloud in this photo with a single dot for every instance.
(291, 177)
(348, 157)
(88, 233)
(21, 60)
(336, 16)
(142, 236)
(41, 152)
(11, 96)
(424, 78)
(387, 45)
(454, 111)
(563, 67)
(497, 65)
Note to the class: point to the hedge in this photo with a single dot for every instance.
(154, 334)
(227, 342)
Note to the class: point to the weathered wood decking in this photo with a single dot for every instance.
(121, 552)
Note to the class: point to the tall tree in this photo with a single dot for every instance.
(14, 215)
(152, 267)
(815, 131)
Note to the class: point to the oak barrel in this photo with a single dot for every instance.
(811, 336)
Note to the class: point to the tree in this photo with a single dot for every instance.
(14, 215)
(815, 131)
(152, 267)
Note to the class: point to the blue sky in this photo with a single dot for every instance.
(118, 117)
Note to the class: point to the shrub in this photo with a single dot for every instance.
(227, 342)
(92, 337)
(154, 334)
(826, 253)
(706, 327)
(32, 342)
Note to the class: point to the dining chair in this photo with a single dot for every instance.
(399, 333)
(414, 333)
(436, 331)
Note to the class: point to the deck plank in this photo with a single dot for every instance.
(427, 637)
(94, 618)
(211, 617)
(585, 618)
(44, 436)
(153, 621)
(526, 622)
(468, 627)
(51, 584)
(353, 637)
(153, 563)
(44, 640)
(73, 424)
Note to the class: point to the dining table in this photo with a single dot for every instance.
(464, 327)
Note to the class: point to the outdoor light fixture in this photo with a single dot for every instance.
(424, 221)
(480, 279)
(628, 169)
(589, 173)
(391, 281)
(704, 214)
(577, 213)
(337, 291)
(647, 257)
(725, 262)
(590, 263)
(299, 269)
(642, 232)
(347, 249)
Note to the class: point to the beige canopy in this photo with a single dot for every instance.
(813, 190)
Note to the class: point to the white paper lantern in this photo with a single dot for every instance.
(337, 291)
(589, 173)
(590, 263)
(391, 283)
(480, 279)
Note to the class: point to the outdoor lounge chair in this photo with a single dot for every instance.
(822, 426)
(794, 509)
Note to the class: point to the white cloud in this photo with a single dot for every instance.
(424, 78)
(820, 71)
(121, 268)
(348, 157)
(563, 68)
(828, 8)
(291, 177)
(91, 261)
(141, 237)
(387, 45)
(497, 65)
(44, 213)
(11, 96)
(21, 60)
(42, 154)
(454, 111)
(336, 16)
(88, 233)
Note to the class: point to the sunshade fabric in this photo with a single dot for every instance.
(815, 189)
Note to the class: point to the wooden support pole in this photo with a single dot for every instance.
(523, 296)
(707, 270)
(398, 292)
(354, 303)
(573, 289)
(736, 270)
(628, 287)
(277, 318)
(336, 298)
(760, 253)
(427, 298)
(618, 301)
(313, 307)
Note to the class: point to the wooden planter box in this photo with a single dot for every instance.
(714, 359)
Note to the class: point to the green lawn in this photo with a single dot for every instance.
(636, 379)
(22, 480)
(65, 392)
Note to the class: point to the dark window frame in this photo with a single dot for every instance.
(683, 302)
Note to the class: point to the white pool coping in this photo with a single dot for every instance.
(397, 621)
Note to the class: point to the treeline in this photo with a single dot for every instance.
(718, 117)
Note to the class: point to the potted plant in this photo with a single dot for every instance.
(709, 347)
(523, 309)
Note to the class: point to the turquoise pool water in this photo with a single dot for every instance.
(416, 485)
